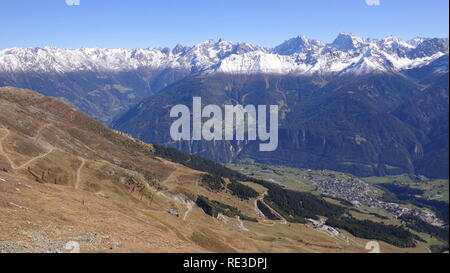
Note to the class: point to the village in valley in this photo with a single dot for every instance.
(340, 186)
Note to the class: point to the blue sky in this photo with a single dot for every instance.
(150, 23)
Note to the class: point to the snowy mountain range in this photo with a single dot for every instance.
(300, 56)
(363, 106)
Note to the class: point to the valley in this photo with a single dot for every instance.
(225, 136)
(365, 197)
(67, 178)
(362, 148)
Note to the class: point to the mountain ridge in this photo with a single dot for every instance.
(105, 83)
(306, 56)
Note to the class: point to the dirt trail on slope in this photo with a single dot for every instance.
(189, 208)
(34, 159)
(177, 172)
(13, 165)
(27, 163)
(83, 162)
(38, 134)
(181, 200)
(2, 152)
(241, 224)
(173, 176)
(259, 212)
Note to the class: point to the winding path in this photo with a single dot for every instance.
(27, 163)
(38, 134)
(2, 152)
(258, 211)
(13, 165)
(77, 182)
(189, 208)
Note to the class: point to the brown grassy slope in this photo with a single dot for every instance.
(65, 177)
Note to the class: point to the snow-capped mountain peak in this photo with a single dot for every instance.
(299, 44)
(299, 55)
(393, 42)
(347, 41)
(416, 41)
